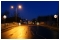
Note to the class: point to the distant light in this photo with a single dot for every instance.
(26, 19)
(20, 20)
(55, 16)
(33, 23)
(12, 7)
(19, 6)
(37, 23)
(4, 16)
(29, 22)
(19, 24)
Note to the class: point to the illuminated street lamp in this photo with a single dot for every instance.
(56, 16)
(12, 6)
(19, 7)
(4, 17)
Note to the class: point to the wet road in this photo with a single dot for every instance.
(17, 32)
(29, 32)
(44, 33)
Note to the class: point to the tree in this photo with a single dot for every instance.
(38, 18)
(6, 12)
(33, 20)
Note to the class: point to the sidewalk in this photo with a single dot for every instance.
(5, 27)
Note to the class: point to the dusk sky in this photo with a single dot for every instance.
(31, 9)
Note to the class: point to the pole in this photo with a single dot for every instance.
(57, 21)
(16, 14)
(4, 23)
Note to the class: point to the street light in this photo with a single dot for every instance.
(56, 16)
(12, 6)
(19, 7)
(4, 17)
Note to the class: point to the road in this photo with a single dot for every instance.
(44, 33)
(18, 32)
(29, 32)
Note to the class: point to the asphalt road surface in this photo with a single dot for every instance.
(29, 32)
(17, 32)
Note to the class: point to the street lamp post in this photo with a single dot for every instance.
(16, 14)
(19, 6)
(26, 21)
(37, 27)
(56, 16)
(4, 17)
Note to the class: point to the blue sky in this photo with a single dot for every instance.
(31, 9)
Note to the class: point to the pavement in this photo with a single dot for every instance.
(19, 32)
(14, 31)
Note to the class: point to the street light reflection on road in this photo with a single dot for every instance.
(19, 32)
